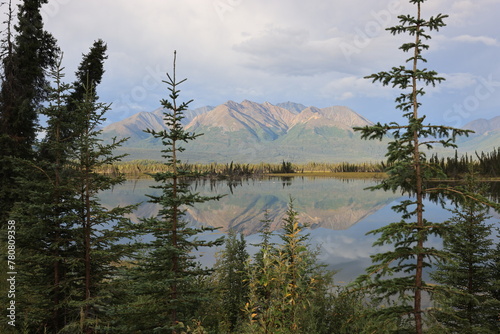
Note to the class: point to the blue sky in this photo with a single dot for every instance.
(312, 52)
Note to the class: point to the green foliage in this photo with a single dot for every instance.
(140, 168)
(408, 171)
(230, 285)
(288, 289)
(168, 290)
(467, 274)
(69, 240)
(26, 54)
(88, 77)
(486, 164)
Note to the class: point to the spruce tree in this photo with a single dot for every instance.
(26, 55)
(90, 70)
(408, 172)
(230, 280)
(45, 225)
(167, 273)
(69, 241)
(471, 305)
(100, 227)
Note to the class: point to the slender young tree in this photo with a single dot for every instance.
(408, 172)
(167, 272)
(231, 283)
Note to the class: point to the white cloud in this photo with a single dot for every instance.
(489, 41)
(314, 52)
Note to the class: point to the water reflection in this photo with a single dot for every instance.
(339, 212)
(321, 202)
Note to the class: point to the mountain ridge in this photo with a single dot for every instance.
(251, 132)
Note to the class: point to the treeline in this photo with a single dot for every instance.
(138, 168)
(486, 164)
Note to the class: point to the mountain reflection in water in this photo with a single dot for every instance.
(321, 202)
(339, 213)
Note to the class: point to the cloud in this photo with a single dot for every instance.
(313, 52)
(489, 41)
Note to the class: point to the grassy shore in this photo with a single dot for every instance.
(340, 175)
(142, 168)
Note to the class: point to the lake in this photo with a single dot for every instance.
(339, 213)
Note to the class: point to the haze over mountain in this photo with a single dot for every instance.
(485, 138)
(250, 132)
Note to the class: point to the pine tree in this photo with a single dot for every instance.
(408, 172)
(471, 306)
(167, 272)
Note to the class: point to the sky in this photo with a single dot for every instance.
(314, 52)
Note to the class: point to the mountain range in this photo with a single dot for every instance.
(250, 132)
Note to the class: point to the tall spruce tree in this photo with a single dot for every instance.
(167, 272)
(471, 305)
(69, 241)
(26, 55)
(42, 224)
(100, 228)
(409, 172)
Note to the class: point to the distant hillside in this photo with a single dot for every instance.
(485, 138)
(481, 126)
(250, 132)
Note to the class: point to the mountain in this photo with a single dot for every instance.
(482, 126)
(250, 132)
(134, 126)
(485, 138)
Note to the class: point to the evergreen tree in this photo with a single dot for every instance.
(231, 284)
(471, 306)
(408, 172)
(90, 71)
(101, 228)
(167, 273)
(25, 58)
(69, 241)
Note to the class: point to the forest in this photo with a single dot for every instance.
(66, 269)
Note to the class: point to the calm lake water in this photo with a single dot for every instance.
(339, 213)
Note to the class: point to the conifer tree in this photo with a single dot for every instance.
(231, 283)
(68, 239)
(45, 229)
(101, 228)
(471, 305)
(167, 272)
(90, 70)
(288, 288)
(408, 172)
(26, 54)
